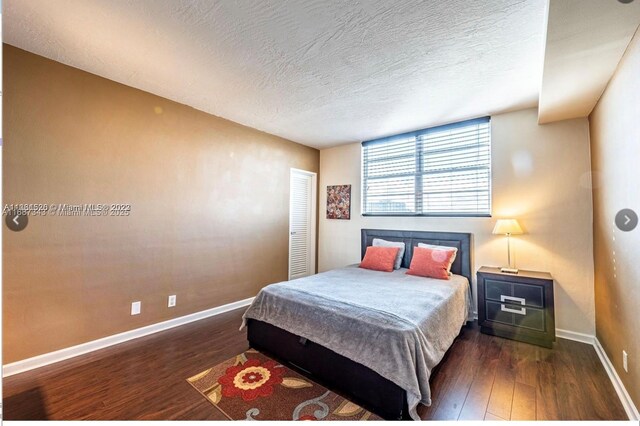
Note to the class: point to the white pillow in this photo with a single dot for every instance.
(377, 242)
(434, 247)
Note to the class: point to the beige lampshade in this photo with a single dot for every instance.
(507, 227)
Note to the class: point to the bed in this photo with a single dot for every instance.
(372, 336)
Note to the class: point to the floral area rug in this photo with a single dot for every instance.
(252, 386)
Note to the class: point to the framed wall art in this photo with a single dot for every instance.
(339, 202)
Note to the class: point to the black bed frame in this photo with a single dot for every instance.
(355, 381)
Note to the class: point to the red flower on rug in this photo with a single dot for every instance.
(251, 379)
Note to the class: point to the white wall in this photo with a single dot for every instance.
(615, 144)
(541, 176)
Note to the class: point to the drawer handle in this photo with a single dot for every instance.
(504, 298)
(521, 311)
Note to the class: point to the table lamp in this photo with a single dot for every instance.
(508, 227)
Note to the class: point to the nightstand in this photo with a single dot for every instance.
(517, 306)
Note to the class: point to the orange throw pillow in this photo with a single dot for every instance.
(431, 263)
(380, 258)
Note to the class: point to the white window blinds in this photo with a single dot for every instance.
(441, 171)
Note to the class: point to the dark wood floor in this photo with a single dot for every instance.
(481, 377)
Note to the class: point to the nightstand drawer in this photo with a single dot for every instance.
(511, 292)
(515, 315)
(517, 306)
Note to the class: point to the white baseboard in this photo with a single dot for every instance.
(73, 351)
(627, 402)
(572, 335)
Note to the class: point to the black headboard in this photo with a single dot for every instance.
(460, 240)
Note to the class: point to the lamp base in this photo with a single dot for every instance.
(509, 270)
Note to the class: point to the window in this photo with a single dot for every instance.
(441, 171)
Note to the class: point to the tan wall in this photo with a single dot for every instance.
(615, 148)
(540, 176)
(209, 219)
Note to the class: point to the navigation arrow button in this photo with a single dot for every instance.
(626, 220)
(16, 221)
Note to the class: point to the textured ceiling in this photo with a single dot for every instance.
(319, 72)
(585, 42)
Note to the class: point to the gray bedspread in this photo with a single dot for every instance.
(396, 324)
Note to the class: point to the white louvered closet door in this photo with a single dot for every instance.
(301, 224)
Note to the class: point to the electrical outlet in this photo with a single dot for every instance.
(136, 307)
(172, 301)
(625, 361)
